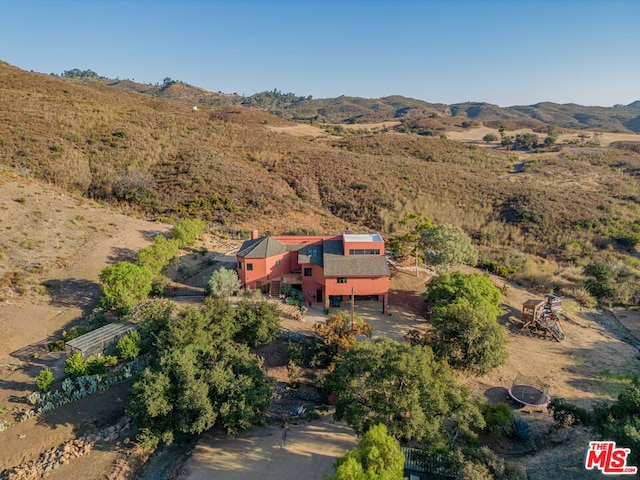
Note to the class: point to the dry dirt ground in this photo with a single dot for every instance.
(272, 453)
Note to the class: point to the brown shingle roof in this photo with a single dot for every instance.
(336, 264)
(261, 248)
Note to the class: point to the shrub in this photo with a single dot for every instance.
(498, 418)
(44, 379)
(223, 283)
(583, 296)
(157, 255)
(129, 346)
(567, 414)
(96, 366)
(75, 366)
(187, 230)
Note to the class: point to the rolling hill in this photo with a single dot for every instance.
(353, 110)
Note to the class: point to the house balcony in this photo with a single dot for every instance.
(292, 278)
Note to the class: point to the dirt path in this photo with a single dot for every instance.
(307, 451)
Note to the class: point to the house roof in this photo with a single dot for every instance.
(261, 248)
(328, 254)
(362, 237)
(337, 264)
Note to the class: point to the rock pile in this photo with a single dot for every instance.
(66, 452)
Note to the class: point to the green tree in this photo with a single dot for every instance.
(489, 137)
(258, 322)
(157, 255)
(478, 290)
(223, 283)
(621, 421)
(528, 141)
(464, 313)
(44, 379)
(198, 378)
(124, 285)
(129, 345)
(506, 141)
(377, 457)
(446, 246)
(408, 239)
(553, 132)
(187, 230)
(75, 366)
(468, 337)
(405, 388)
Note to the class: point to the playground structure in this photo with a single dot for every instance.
(530, 392)
(543, 316)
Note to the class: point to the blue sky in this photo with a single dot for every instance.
(516, 52)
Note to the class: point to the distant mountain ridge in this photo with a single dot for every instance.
(344, 109)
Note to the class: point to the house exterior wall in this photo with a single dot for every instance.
(363, 246)
(361, 286)
(310, 285)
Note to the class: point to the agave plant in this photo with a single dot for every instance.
(298, 411)
(522, 432)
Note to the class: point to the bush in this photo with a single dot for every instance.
(498, 418)
(157, 255)
(223, 283)
(187, 230)
(44, 379)
(75, 366)
(96, 366)
(583, 296)
(124, 285)
(129, 345)
(567, 414)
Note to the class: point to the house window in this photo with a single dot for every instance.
(364, 251)
(308, 272)
(249, 266)
(277, 263)
(258, 284)
(240, 265)
(342, 280)
(312, 252)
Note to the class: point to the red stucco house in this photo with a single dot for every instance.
(326, 268)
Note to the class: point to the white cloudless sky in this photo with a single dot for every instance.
(507, 52)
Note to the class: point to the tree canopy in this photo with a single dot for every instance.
(199, 378)
(468, 337)
(448, 288)
(338, 334)
(124, 285)
(403, 387)
(377, 457)
(464, 313)
(446, 246)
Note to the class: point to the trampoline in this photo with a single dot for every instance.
(529, 392)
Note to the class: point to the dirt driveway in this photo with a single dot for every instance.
(308, 451)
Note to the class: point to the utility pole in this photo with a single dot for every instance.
(352, 307)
